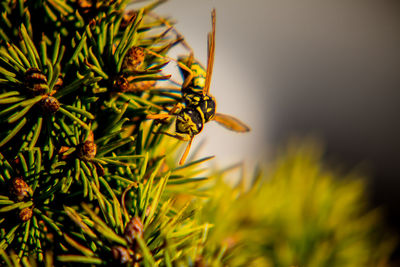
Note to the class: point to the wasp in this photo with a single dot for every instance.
(199, 105)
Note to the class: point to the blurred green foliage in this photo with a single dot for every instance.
(298, 213)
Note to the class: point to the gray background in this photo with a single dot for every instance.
(323, 67)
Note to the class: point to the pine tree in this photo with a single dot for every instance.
(85, 175)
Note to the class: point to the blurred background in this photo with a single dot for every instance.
(330, 69)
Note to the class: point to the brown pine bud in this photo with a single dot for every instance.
(134, 58)
(87, 150)
(20, 189)
(121, 254)
(26, 214)
(35, 81)
(121, 84)
(133, 229)
(50, 104)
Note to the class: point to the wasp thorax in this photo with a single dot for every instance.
(20, 189)
(133, 229)
(35, 81)
(50, 104)
(87, 150)
(121, 254)
(26, 214)
(134, 58)
(189, 121)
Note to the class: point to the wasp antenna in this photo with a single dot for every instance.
(185, 154)
(210, 53)
(190, 59)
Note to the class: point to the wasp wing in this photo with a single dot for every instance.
(231, 123)
(210, 57)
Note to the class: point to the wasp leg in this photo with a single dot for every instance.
(176, 108)
(190, 76)
(190, 59)
(182, 137)
(158, 116)
(185, 154)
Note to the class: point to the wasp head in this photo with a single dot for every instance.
(189, 121)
